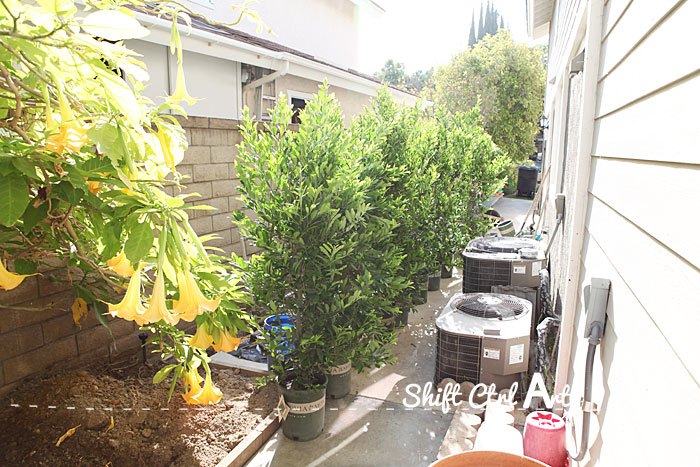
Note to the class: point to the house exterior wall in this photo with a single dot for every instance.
(351, 102)
(639, 177)
(330, 27)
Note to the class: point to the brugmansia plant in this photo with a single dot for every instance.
(83, 164)
(322, 238)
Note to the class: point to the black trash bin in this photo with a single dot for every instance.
(527, 180)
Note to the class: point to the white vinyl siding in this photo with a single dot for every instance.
(641, 230)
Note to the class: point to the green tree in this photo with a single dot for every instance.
(489, 23)
(472, 34)
(393, 73)
(507, 79)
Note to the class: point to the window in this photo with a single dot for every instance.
(297, 101)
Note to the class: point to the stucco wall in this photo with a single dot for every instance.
(638, 226)
(351, 103)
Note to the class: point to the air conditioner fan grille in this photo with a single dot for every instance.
(492, 308)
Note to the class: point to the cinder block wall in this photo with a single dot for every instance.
(33, 341)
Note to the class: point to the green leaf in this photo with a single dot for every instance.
(97, 165)
(100, 310)
(139, 242)
(33, 215)
(76, 178)
(162, 373)
(68, 193)
(23, 266)
(113, 25)
(25, 166)
(174, 202)
(110, 239)
(121, 95)
(14, 197)
(58, 7)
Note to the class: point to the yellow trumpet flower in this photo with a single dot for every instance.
(208, 395)
(192, 303)
(227, 342)
(180, 89)
(121, 265)
(201, 338)
(165, 142)
(94, 186)
(192, 379)
(157, 309)
(71, 135)
(10, 280)
(130, 308)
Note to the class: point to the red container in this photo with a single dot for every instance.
(544, 438)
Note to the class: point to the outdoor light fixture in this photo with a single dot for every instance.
(544, 122)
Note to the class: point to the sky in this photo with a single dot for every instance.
(427, 33)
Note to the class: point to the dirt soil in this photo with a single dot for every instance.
(182, 435)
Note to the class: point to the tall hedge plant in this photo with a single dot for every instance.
(320, 234)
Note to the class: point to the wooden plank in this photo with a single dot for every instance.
(660, 128)
(653, 64)
(661, 199)
(247, 448)
(637, 21)
(225, 360)
(664, 284)
(636, 371)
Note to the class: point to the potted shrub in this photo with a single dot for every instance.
(479, 164)
(306, 206)
(394, 130)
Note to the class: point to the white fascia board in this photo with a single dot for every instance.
(208, 43)
(215, 45)
(309, 69)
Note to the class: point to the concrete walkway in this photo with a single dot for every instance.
(514, 209)
(371, 426)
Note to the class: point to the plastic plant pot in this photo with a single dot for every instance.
(285, 324)
(306, 415)
(445, 272)
(506, 228)
(434, 283)
(401, 319)
(421, 296)
(338, 381)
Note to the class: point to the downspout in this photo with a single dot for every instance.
(594, 28)
(267, 78)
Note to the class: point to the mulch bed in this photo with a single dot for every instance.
(182, 435)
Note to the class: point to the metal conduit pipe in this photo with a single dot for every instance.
(595, 329)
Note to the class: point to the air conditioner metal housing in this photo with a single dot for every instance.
(492, 348)
(501, 261)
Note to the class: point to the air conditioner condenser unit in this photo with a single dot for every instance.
(483, 338)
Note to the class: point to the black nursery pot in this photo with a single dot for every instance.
(306, 415)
